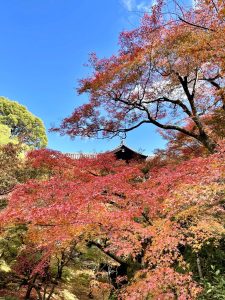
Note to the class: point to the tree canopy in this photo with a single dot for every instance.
(163, 233)
(168, 72)
(17, 123)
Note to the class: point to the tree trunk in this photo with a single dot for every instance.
(207, 142)
(29, 289)
(51, 292)
(199, 268)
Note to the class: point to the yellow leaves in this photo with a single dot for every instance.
(66, 295)
(4, 267)
(204, 232)
(200, 211)
(193, 200)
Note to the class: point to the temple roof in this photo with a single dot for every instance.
(125, 153)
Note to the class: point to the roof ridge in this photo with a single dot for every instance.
(118, 148)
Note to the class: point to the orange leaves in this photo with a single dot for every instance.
(146, 223)
(162, 283)
(163, 251)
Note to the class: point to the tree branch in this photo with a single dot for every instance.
(195, 25)
(111, 255)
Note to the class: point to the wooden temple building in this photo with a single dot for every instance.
(122, 152)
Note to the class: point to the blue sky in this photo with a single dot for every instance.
(44, 46)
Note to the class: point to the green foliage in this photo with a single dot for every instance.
(215, 288)
(93, 257)
(3, 202)
(10, 167)
(210, 254)
(23, 125)
(11, 243)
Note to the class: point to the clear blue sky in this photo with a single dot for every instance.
(44, 46)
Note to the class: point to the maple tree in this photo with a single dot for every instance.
(150, 228)
(168, 72)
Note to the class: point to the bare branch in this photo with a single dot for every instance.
(195, 25)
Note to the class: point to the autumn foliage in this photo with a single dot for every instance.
(159, 223)
(150, 227)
